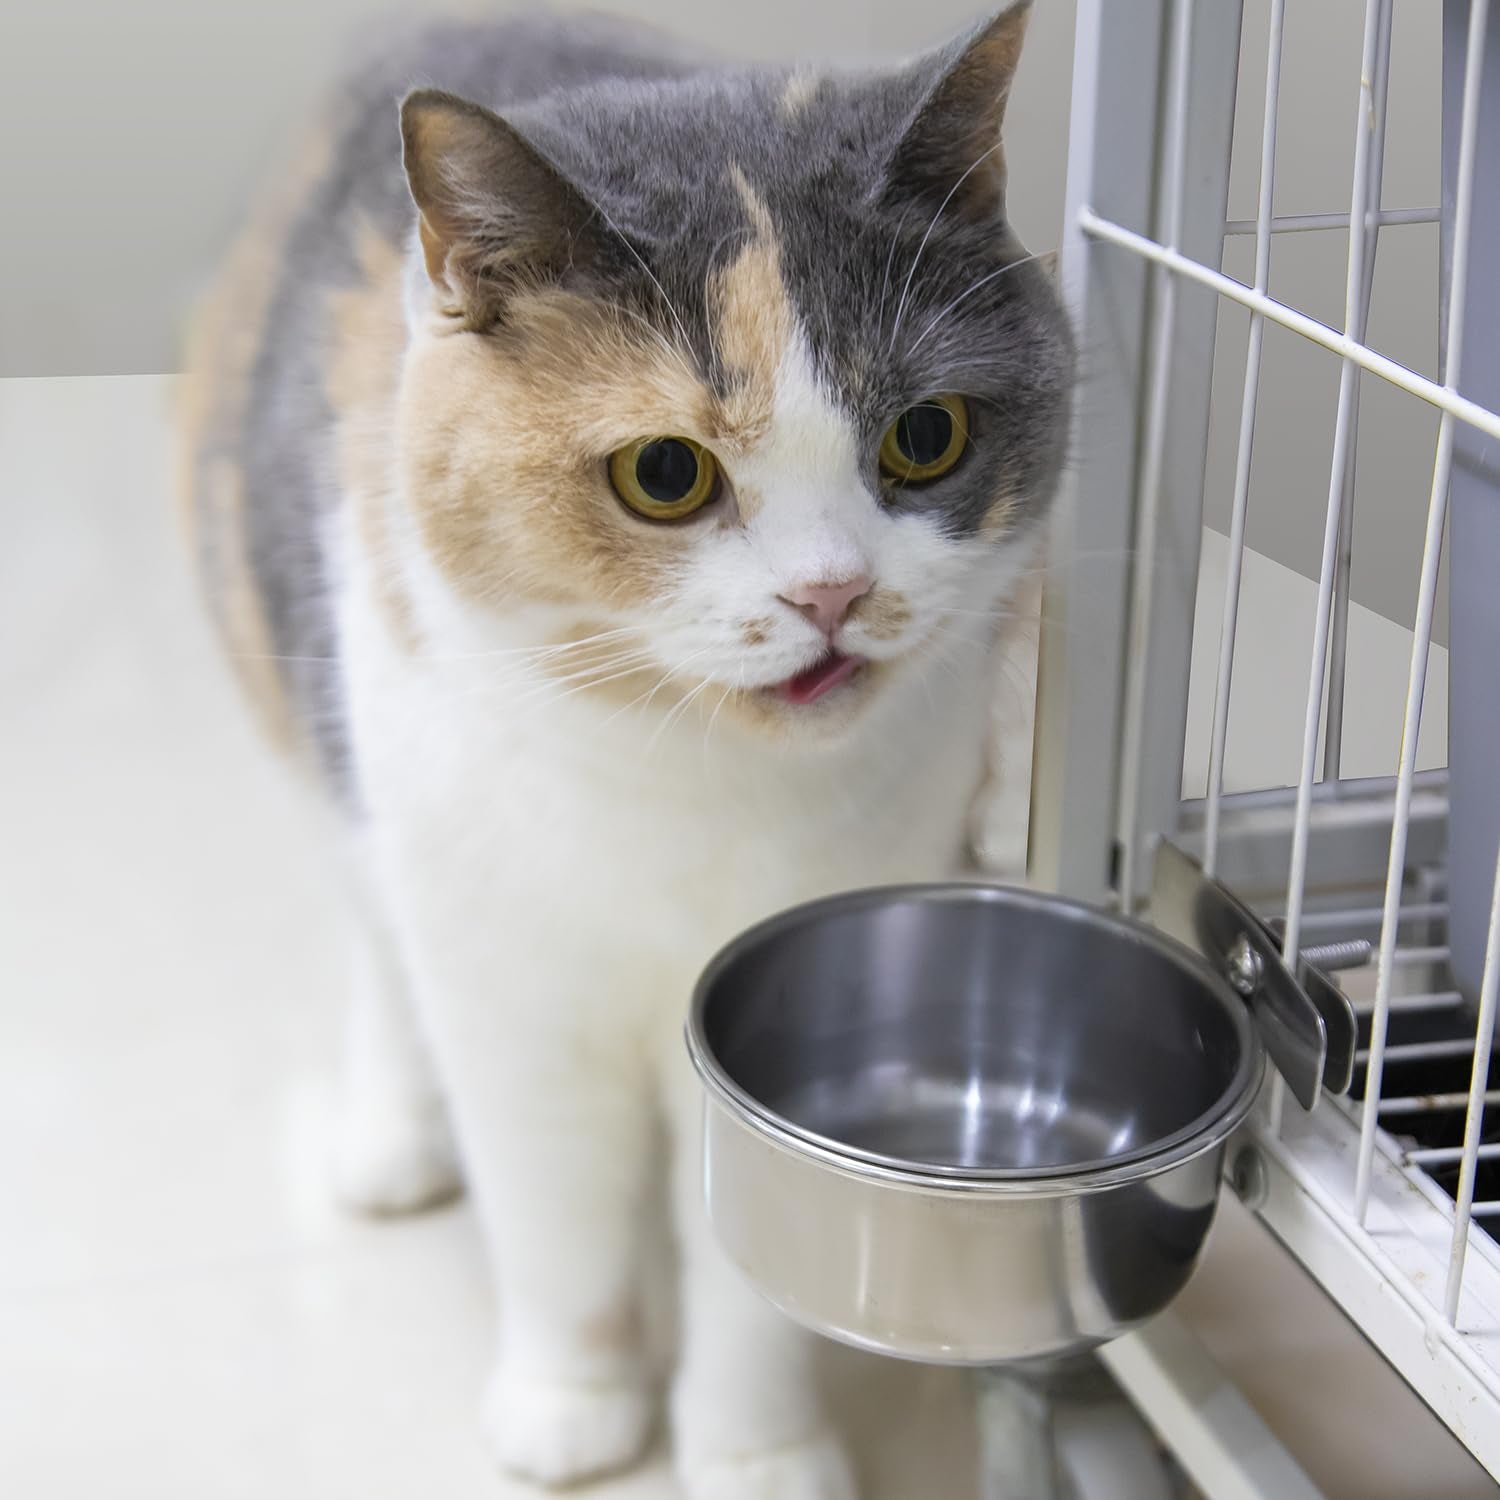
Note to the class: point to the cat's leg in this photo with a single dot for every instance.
(393, 1150)
(554, 1114)
(748, 1421)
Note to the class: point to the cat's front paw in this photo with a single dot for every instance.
(559, 1434)
(394, 1160)
(814, 1470)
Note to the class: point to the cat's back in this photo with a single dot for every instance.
(294, 353)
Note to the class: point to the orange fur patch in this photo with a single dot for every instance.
(884, 613)
(503, 440)
(996, 520)
(753, 326)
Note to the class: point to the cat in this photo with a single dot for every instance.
(608, 472)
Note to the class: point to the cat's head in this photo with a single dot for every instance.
(747, 368)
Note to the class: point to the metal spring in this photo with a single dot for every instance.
(1353, 953)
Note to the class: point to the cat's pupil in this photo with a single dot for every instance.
(667, 470)
(923, 433)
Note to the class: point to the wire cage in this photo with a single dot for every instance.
(1389, 1195)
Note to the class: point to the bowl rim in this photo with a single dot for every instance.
(1203, 1133)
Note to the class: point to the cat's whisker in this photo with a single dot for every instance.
(1015, 676)
(582, 669)
(940, 659)
(915, 260)
(675, 713)
(725, 695)
(536, 653)
(649, 693)
(959, 637)
(584, 683)
(1073, 630)
(507, 654)
(890, 256)
(543, 686)
(687, 343)
(963, 296)
(645, 698)
(676, 671)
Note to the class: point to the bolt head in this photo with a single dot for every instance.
(1243, 967)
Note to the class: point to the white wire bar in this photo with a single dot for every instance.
(1375, 124)
(1437, 512)
(1438, 1000)
(1148, 489)
(1479, 1091)
(1296, 887)
(1354, 283)
(1353, 916)
(1434, 1104)
(1447, 1156)
(1457, 1046)
(1241, 503)
(1305, 223)
(1481, 418)
(1436, 953)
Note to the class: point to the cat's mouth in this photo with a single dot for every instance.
(814, 682)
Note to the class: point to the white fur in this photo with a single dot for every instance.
(556, 871)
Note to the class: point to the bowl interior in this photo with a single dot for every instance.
(973, 1030)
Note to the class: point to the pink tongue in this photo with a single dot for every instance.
(822, 677)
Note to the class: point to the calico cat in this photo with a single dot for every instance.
(608, 471)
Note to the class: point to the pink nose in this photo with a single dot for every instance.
(827, 605)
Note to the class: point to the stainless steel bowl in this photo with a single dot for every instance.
(966, 1124)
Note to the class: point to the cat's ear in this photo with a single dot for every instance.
(493, 213)
(952, 145)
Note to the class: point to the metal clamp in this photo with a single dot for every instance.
(1305, 1020)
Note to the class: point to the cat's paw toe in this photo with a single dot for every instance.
(392, 1161)
(561, 1434)
(813, 1470)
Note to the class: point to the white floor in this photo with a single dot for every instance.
(183, 1314)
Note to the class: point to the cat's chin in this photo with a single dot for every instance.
(821, 706)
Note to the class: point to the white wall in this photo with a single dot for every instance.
(133, 131)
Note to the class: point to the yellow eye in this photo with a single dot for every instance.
(926, 440)
(664, 479)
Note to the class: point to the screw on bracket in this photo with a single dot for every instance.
(1242, 967)
(1247, 1176)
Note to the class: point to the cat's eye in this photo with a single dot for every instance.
(664, 479)
(926, 440)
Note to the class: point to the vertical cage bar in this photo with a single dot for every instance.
(1354, 283)
(1149, 485)
(1458, 277)
(1473, 542)
(1484, 1041)
(1117, 65)
(1333, 732)
(1229, 624)
(1165, 661)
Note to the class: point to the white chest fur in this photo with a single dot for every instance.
(519, 820)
